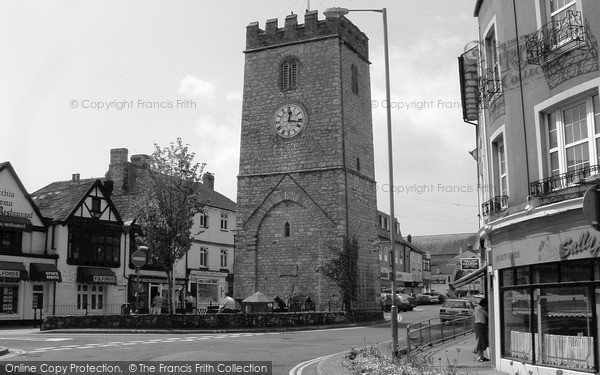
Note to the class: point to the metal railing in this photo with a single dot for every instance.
(494, 205)
(73, 309)
(561, 181)
(555, 39)
(430, 332)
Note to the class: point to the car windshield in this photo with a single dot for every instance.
(456, 304)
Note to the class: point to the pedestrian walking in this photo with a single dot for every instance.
(481, 329)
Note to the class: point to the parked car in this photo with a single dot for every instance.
(401, 302)
(412, 300)
(455, 309)
(435, 297)
(422, 299)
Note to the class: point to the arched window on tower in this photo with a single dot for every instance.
(289, 74)
(286, 229)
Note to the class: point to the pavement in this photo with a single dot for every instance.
(455, 355)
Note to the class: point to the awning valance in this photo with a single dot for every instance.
(44, 272)
(90, 275)
(13, 271)
(469, 278)
(15, 223)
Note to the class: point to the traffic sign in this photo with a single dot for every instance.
(138, 258)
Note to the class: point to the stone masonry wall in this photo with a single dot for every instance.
(313, 180)
(202, 322)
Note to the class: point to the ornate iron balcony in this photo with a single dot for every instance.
(562, 181)
(555, 38)
(495, 205)
(489, 86)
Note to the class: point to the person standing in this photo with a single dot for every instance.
(481, 329)
(157, 304)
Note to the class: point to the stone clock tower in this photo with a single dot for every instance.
(306, 175)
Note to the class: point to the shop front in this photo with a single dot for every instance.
(206, 289)
(547, 299)
(43, 279)
(142, 292)
(13, 277)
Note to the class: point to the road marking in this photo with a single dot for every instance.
(36, 339)
(299, 368)
(137, 342)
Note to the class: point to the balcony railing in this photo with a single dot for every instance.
(562, 181)
(495, 205)
(555, 38)
(489, 87)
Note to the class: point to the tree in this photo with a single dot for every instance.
(342, 268)
(167, 202)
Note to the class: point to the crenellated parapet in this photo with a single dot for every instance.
(313, 28)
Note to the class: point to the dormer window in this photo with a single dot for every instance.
(289, 74)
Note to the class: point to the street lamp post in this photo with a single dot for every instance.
(339, 12)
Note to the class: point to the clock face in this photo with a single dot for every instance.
(290, 119)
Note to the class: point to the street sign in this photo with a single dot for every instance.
(138, 258)
(591, 207)
(467, 264)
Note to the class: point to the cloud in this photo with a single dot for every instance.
(221, 154)
(197, 88)
(235, 96)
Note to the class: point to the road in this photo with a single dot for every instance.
(286, 350)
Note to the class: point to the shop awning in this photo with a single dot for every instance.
(90, 275)
(469, 278)
(44, 272)
(15, 223)
(14, 271)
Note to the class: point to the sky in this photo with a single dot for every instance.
(78, 78)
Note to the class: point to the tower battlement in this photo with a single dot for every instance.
(313, 28)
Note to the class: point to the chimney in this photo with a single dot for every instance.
(409, 238)
(140, 160)
(118, 170)
(208, 180)
(75, 177)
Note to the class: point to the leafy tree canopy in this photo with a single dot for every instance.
(167, 202)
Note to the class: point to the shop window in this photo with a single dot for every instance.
(9, 296)
(517, 328)
(564, 323)
(575, 271)
(552, 324)
(522, 275)
(11, 242)
(546, 273)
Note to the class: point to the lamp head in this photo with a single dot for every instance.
(335, 12)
